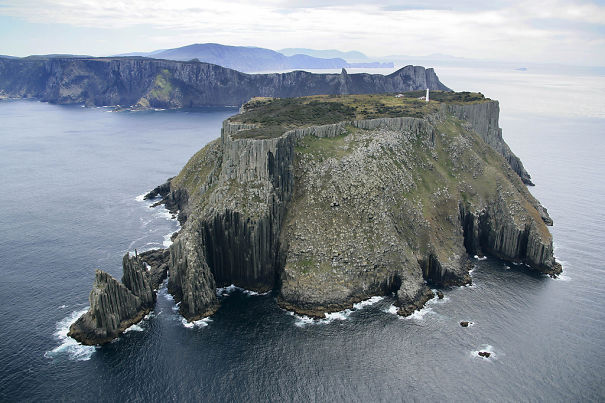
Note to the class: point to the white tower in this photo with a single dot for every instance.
(427, 95)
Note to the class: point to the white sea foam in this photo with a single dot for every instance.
(303, 320)
(140, 197)
(68, 346)
(164, 292)
(367, 302)
(63, 306)
(225, 291)
(436, 300)
(563, 277)
(165, 214)
(196, 323)
(480, 258)
(420, 314)
(392, 309)
(134, 328)
(167, 240)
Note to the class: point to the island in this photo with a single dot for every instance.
(329, 200)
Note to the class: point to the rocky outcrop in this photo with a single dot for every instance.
(334, 214)
(191, 282)
(115, 306)
(137, 279)
(153, 83)
(158, 260)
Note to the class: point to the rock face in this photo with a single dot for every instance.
(330, 215)
(153, 83)
(483, 119)
(115, 306)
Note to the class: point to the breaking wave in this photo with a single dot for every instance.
(196, 323)
(304, 320)
(67, 346)
(225, 291)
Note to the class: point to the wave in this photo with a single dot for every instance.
(196, 323)
(134, 328)
(420, 313)
(167, 240)
(67, 346)
(392, 309)
(304, 320)
(225, 291)
(480, 258)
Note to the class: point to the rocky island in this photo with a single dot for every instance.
(329, 200)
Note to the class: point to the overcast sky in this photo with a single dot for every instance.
(571, 32)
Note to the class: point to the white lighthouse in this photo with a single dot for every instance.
(427, 95)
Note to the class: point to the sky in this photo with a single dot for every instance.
(535, 31)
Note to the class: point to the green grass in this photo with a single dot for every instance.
(162, 87)
(324, 147)
(274, 116)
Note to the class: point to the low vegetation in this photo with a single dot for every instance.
(274, 116)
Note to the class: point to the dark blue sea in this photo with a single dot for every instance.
(71, 181)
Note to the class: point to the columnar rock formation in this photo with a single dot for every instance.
(145, 83)
(115, 306)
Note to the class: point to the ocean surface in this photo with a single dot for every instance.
(72, 178)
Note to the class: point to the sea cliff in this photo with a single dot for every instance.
(134, 82)
(344, 198)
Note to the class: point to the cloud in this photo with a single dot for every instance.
(541, 30)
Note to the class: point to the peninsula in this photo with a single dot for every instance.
(140, 83)
(329, 200)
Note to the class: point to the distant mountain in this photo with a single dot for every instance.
(352, 56)
(251, 59)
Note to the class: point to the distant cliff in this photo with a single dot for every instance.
(250, 59)
(151, 83)
(332, 200)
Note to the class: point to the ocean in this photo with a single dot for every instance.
(71, 201)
